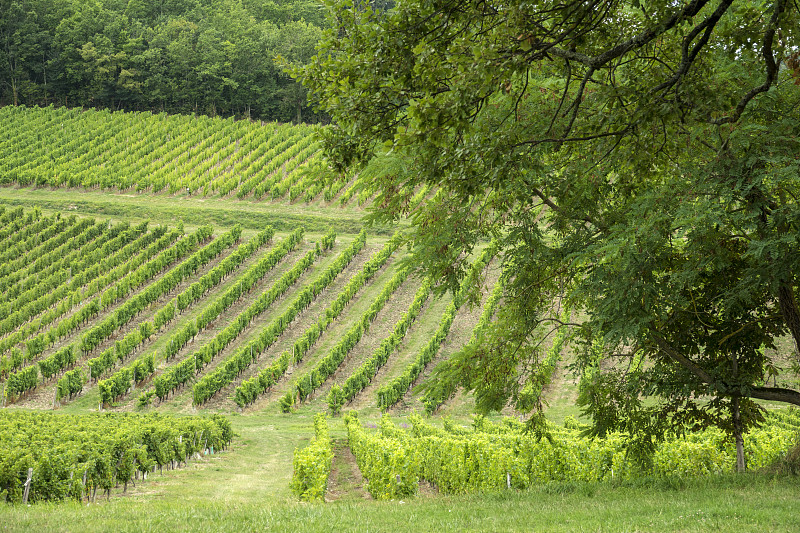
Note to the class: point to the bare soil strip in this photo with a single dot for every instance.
(345, 481)
(298, 326)
(183, 399)
(42, 396)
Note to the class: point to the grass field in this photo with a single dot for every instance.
(246, 488)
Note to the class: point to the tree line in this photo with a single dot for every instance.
(214, 57)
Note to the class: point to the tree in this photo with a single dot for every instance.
(23, 46)
(172, 55)
(637, 162)
(295, 46)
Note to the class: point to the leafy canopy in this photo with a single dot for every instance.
(637, 162)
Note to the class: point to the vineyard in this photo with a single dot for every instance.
(137, 345)
(169, 154)
(134, 316)
(491, 457)
(71, 457)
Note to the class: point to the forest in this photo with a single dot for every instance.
(211, 57)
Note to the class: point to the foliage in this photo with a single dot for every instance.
(64, 147)
(497, 457)
(144, 367)
(438, 392)
(311, 380)
(312, 464)
(120, 267)
(364, 374)
(73, 456)
(637, 163)
(183, 371)
(209, 57)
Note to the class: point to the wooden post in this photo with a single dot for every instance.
(508, 480)
(27, 486)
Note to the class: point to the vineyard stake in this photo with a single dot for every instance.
(27, 486)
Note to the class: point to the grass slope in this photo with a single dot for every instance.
(246, 489)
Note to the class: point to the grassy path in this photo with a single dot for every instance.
(246, 489)
(194, 211)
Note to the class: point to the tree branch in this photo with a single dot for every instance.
(637, 41)
(775, 394)
(688, 57)
(681, 359)
(772, 67)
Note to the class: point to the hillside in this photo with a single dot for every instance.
(123, 308)
(160, 264)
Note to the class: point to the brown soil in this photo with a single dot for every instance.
(222, 400)
(345, 480)
(42, 396)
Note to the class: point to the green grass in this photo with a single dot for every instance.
(193, 211)
(247, 489)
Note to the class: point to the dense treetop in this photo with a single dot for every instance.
(213, 57)
(637, 162)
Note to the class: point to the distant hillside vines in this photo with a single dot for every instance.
(175, 154)
(130, 316)
(214, 57)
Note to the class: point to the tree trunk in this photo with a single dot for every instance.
(737, 431)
